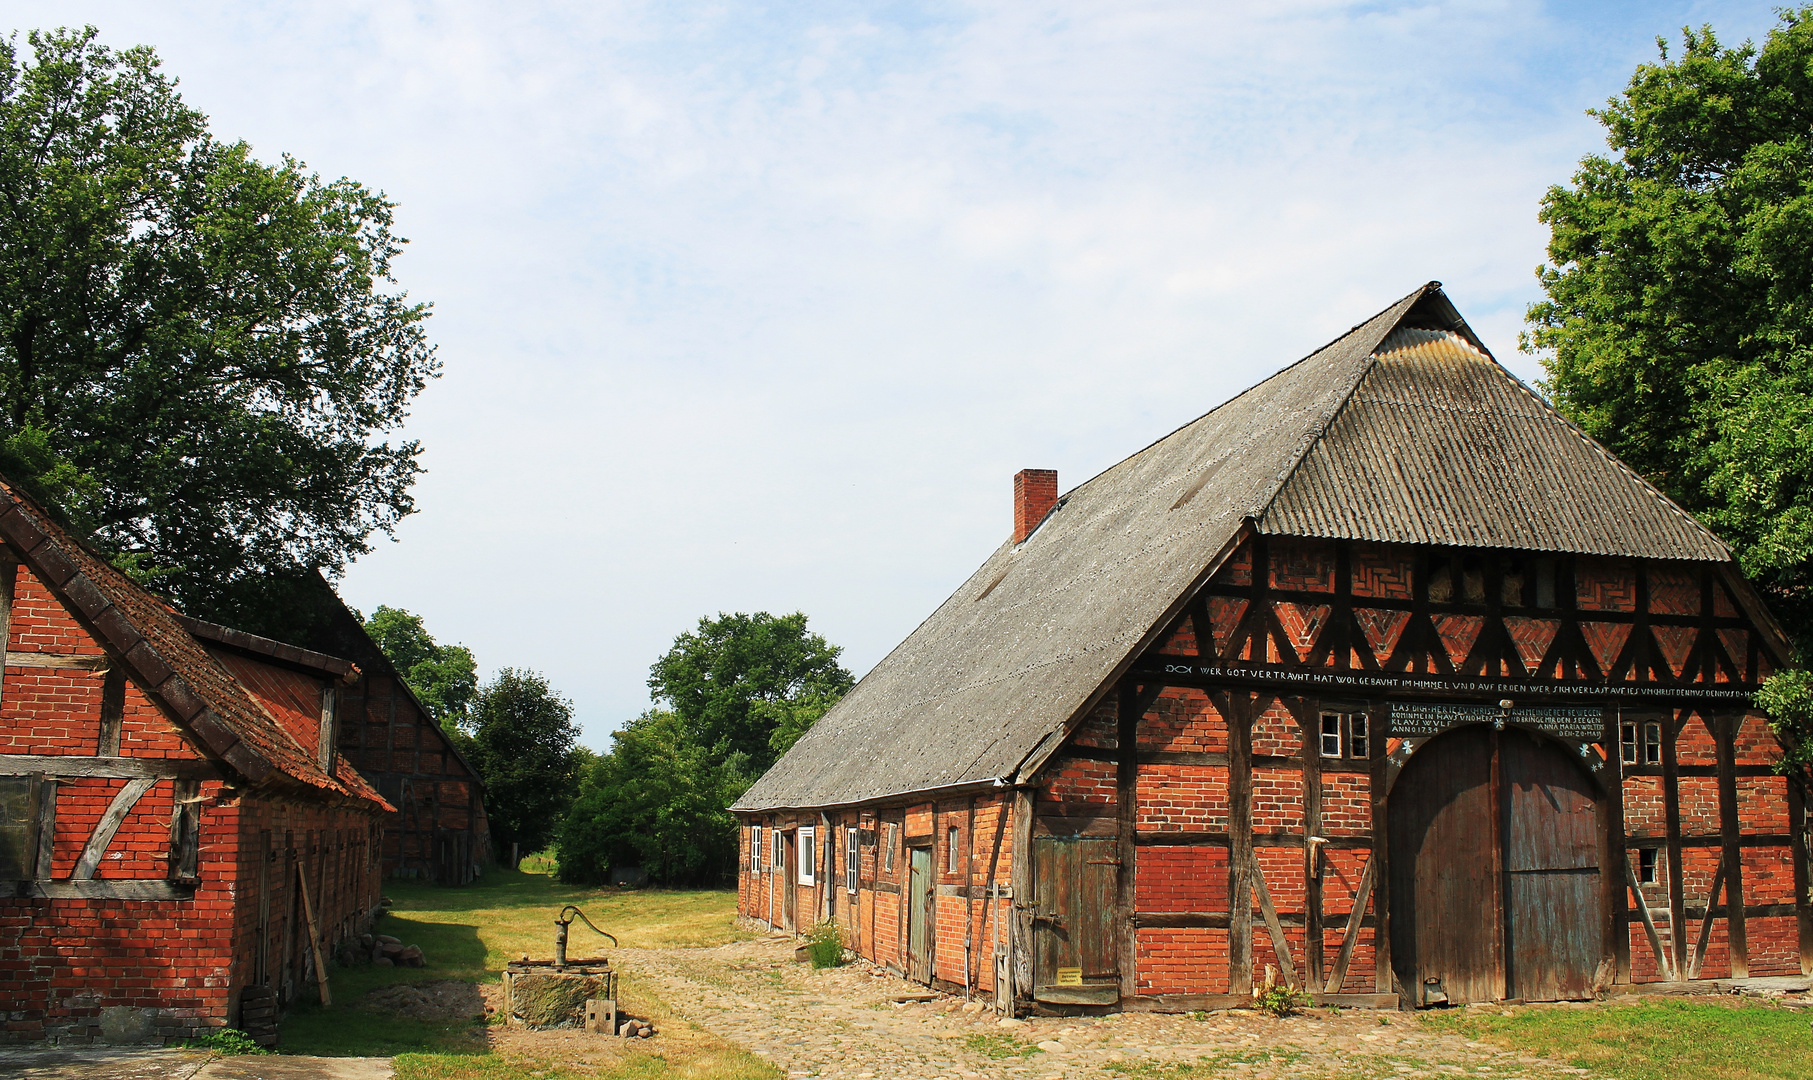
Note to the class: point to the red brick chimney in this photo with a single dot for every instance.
(1035, 493)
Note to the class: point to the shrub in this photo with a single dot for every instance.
(825, 945)
(1280, 1000)
(226, 1041)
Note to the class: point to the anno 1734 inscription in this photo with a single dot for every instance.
(1432, 718)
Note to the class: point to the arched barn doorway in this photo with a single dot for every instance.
(1495, 888)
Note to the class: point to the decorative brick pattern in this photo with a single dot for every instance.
(1302, 624)
(1382, 629)
(1303, 564)
(1458, 633)
(1381, 571)
(1673, 644)
(1605, 641)
(1532, 638)
(1673, 590)
(1604, 585)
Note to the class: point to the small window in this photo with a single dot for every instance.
(1345, 735)
(808, 855)
(887, 858)
(755, 849)
(1331, 735)
(1646, 865)
(852, 860)
(19, 828)
(1627, 743)
(777, 849)
(1652, 744)
(951, 860)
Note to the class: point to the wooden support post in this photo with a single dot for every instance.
(1274, 928)
(1379, 866)
(1611, 853)
(314, 935)
(1126, 786)
(9, 575)
(1712, 900)
(113, 710)
(1797, 838)
(47, 824)
(1671, 808)
(1649, 923)
(1307, 729)
(1020, 936)
(123, 802)
(1724, 731)
(1240, 840)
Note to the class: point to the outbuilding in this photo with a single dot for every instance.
(181, 844)
(1380, 680)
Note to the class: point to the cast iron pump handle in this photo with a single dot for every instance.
(561, 922)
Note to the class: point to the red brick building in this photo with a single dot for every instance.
(1381, 676)
(172, 805)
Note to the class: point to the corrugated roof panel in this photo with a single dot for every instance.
(1440, 445)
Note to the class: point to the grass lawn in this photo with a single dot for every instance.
(470, 933)
(1653, 1040)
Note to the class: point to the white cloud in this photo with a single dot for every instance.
(752, 307)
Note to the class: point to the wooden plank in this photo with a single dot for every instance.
(185, 831)
(1724, 731)
(1308, 720)
(1379, 865)
(70, 661)
(1181, 1003)
(1671, 813)
(110, 768)
(123, 802)
(1663, 961)
(1612, 849)
(1020, 928)
(1183, 757)
(9, 574)
(108, 889)
(1712, 900)
(1240, 834)
(1803, 909)
(47, 826)
(1280, 945)
(1104, 994)
(1133, 703)
(1361, 895)
(113, 710)
(314, 936)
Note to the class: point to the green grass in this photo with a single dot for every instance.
(1000, 1046)
(1653, 1040)
(469, 933)
(1205, 1067)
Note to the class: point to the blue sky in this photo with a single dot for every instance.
(759, 307)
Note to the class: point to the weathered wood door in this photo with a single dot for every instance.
(920, 918)
(1494, 871)
(1551, 831)
(1073, 950)
(1447, 921)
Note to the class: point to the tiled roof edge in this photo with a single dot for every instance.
(344, 670)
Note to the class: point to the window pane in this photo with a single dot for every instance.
(1627, 740)
(1356, 741)
(1652, 743)
(1331, 735)
(18, 829)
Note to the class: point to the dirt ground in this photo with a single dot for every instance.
(838, 1024)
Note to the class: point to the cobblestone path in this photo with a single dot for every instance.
(839, 1025)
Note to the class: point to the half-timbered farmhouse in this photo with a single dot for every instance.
(1381, 677)
(180, 842)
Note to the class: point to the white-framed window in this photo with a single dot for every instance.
(852, 860)
(777, 849)
(808, 855)
(1345, 735)
(1640, 744)
(952, 850)
(887, 856)
(755, 849)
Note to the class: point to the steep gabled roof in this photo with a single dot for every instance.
(222, 720)
(1404, 429)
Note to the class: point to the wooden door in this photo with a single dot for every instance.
(1447, 919)
(1494, 871)
(1074, 959)
(919, 901)
(789, 883)
(1551, 831)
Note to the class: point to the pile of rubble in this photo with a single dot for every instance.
(381, 950)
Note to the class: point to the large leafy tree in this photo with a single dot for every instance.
(444, 678)
(749, 684)
(201, 354)
(657, 800)
(524, 748)
(1678, 323)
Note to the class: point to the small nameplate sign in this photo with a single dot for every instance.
(1416, 718)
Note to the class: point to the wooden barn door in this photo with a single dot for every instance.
(1494, 871)
(1447, 936)
(919, 901)
(1073, 950)
(1552, 870)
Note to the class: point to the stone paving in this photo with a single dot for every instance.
(140, 1063)
(839, 1025)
